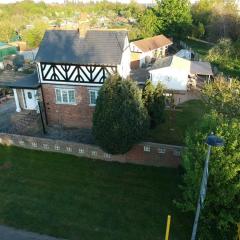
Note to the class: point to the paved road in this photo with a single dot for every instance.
(8, 233)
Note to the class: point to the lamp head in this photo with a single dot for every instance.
(214, 141)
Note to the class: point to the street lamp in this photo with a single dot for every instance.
(211, 141)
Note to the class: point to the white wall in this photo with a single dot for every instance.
(172, 79)
(124, 69)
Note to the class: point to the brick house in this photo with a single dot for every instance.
(70, 71)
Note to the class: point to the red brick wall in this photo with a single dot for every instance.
(170, 157)
(79, 115)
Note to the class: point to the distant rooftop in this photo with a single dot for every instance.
(152, 43)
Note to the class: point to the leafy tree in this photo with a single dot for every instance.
(221, 207)
(148, 23)
(199, 30)
(154, 101)
(174, 17)
(222, 51)
(6, 30)
(223, 96)
(120, 119)
(34, 36)
(148, 94)
(158, 105)
(220, 18)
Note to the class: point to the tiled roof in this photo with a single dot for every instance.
(98, 47)
(192, 67)
(14, 79)
(152, 43)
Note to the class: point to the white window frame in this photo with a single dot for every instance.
(61, 93)
(147, 149)
(162, 150)
(177, 153)
(95, 90)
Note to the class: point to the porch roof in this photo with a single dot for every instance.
(13, 79)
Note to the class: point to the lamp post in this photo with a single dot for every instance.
(212, 141)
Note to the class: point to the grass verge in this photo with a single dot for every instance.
(78, 198)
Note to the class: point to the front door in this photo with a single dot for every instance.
(30, 99)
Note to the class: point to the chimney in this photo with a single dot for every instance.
(83, 28)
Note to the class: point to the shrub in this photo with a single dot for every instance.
(154, 101)
(120, 119)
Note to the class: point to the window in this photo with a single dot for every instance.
(65, 96)
(94, 153)
(69, 149)
(21, 142)
(161, 150)
(57, 147)
(45, 146)
(107, 155)
(93, 96)
(81, 150)
(177, 153)
(29, 95)
(146, 149)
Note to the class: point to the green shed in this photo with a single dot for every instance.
(6, 50)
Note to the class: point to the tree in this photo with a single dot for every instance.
(6, 30)
(148, 23)
(220, 18)
(223, 96)
(154, 101)
(199, 30)
(148, 95)
(120, 119)
(221, 207)
(158, 105)
(174, 17)
(34, 36)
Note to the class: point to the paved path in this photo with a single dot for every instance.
(6, 109)
(8, 233)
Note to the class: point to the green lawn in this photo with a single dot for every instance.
(230, 67)
(173, 130)
(199, 47)
(78, 198)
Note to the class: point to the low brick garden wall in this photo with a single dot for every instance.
(146, 153)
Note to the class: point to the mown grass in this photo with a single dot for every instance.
(230, 67)
(78, 198)
(199, 47)
(173, 130)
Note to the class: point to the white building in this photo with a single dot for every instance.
(145, 50)
(179, 76)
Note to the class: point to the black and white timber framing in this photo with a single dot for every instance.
(95, 74)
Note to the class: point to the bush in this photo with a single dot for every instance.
(154, 101)
(120, 119)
